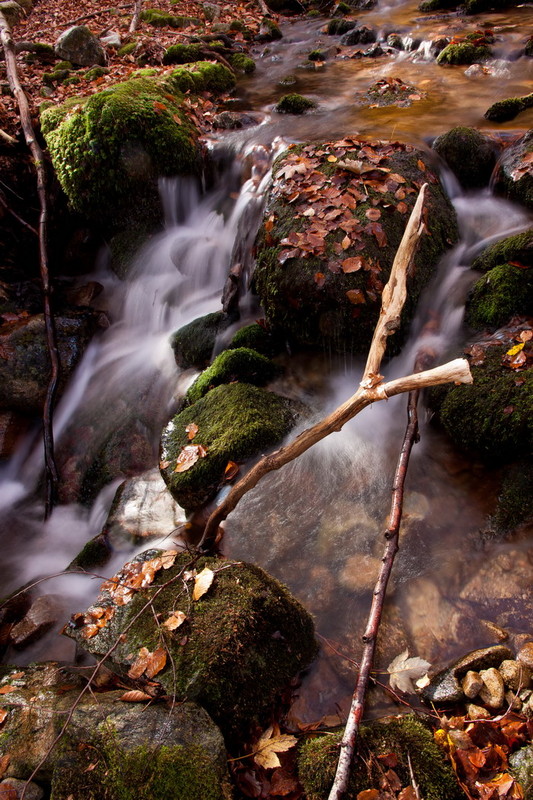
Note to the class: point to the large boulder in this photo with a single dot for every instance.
(330, 234)
(516, 171)
(470, 155)
(79, 46)
(231, 647)
(233, 423)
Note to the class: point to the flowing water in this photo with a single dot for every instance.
(316, 524)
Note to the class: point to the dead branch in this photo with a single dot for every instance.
(371, 388)
(96, 14)
(7, 138)
(264, 8)
(136, 16)
(347, 746)
(4, 205)
(38, 157)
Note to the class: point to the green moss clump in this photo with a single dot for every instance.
(464, 53)
(316, 55)
(238, 25)
(127, 49)
(515, 503)
(343, 8)
(159, 19)
(242, 63)
(514, 248)
(183, 54)
(501, 293)
(493, 417)
(240, 364)
(528, 50)
(406, 737)
(57, 76)
(202, 76)
(193, 343)
(96, 72)
(64, 65)
(94, 554)
(72, 80)
(235, 422)
(505, 110)
(257, 338)
(294, 104)
(269, 31)
(336, 26)
(108, 149)
(469, 154)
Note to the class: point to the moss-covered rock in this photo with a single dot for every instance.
(127, 49)
(470, 155)
(505, 110)
(205, 76)
(515, 175)
(521, 767)
(242, 63)
(240, 364)
(493, 417)
(407, 738)
(257, 337)
(96, 72)
(184, 53)
(235, 422)
(268, 31)
(109, 149)
(193, 343)
(515, 502)
(337, 26)
(464, 53)
(240, 644)
(294, 104)
(518, 248)
(320, 278)
(160, 19)
(501, 293)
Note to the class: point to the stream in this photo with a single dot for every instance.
(316, 524)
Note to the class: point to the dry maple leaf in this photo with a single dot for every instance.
(8, 689)
(404, 671)
(268, 746)
(202, 582)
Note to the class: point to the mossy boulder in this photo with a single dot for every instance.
(294, 104)
(515, 501)
(117, 752)
(242, 63)
(338, 26)
(184, 53)
(470, 155)
(193, 343)
(239, 646)
(160, 19)
(239, 364)
(464, 53)
(257, 337)
(268, 31)
(517, 248)
(201, 76)
(515, 176)
(493, 417)
(330, 235)
(505, 110)
(235, 422)
(505, 290)
(109, 149)
(407, 738)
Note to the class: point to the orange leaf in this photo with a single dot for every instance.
(352, 264)
(192, 430)
(355, 296)
(175, 620)
(8, 689)
(3, 715)
(135, 696)
(421, 165)
(156, 662)
(189, 456)
(231, 470)
(373, 213)
(346, 242)
(319, 279)
(332, 159)
(159, 106)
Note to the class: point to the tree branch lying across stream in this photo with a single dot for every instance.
(371, 388)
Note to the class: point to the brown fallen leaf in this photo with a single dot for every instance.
(355, 296)
(192, 430)
(189, 456)
(156, 662)
(352, 264)
(135, 696)
(202, 582)
(175, 620)
(4, 764)
(404, 671)
(7, 689)
(3, 715)
(268, 746)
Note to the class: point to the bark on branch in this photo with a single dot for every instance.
(371, 387)
(134, 24)
(38, 158)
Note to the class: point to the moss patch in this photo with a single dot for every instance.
(160, 19)
(514, 248)
(515, 503)
(240, 364)
(257, 338)
(401, 736)
(505, 110)
(193, 343)
(501, 293)
(294, 104)
(464, 53)
(235, 422)
(242, 63)
(469, 154)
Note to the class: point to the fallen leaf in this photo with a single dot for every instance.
(369, 794)
(175, 620)
(526, 336)
(155, 662)
(3, 715)
(404, 671)
(7, 689)
(408, 794)
(189, 456)
(138, 666)
(4, 764)
(202, 582)
(231, 470)
(332, 159)
(192, 430)
(346, 242)
(516, 349)
(168, 558)
(355, 296)
(268, 745)
(352, 264)
(373, 213)
(135, 696)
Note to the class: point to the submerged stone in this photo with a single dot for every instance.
(236, 646)
(469, 154)
(445, 686)
(235, 422)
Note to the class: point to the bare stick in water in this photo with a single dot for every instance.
(371, 387)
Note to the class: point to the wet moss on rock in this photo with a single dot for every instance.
(294, 104)
(235, 422)
(241, 364)
(464, 53)
(193, 343)
(515, 502)
(514, 248)
(184, 53)
(338, 26)
(258, 338)
(505, 110)
(242, 63)
(206, 77)
(160, 19)
(269, 31)
(96, 72)
(501, 293)
(405, 737)
(469, 154)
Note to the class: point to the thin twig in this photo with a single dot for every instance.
(38, 158)
(7, 138)
(136, 16)
(9, 210)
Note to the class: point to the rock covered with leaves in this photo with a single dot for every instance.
(335, 217)
(516, 174)
(222, 633)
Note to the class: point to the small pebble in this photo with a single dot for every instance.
(472, 684)
(525, 655)
(493, 690)
(515, 675)
(477, 712)
(513, 701)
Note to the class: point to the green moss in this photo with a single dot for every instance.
(184, 54)
(404, 737)
(470, 155)
(57, 76)
(96, 72)
(144, 72)
(159, 19)
(505, 110)
(336, 26)
(202, 76)
(464, 53)
(343, 8)
(94, 554)
(501, 293)
(242, 63)
(257, 338)
(270, 32)
(127, 49)
(294, 104)
(235, 422)
(72, 80)
(238, 25)
(317, 55)
(493, 417)
(515, 503)
(64, 65)
(521, 767)
(240, 364)
(108, 149)
(193, 343)
(514, 248)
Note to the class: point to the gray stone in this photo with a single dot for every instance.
(112, 39)
(211, 11)
(515, 675)
(12, 788)
(472, 684)
(477, 712)
(80, 46)
(521, 767)
(445, 686)
(513, 701)
(361, 35)
(492, 692)
(41, 617)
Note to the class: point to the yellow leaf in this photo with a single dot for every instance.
(269, 745)
(202, 582)
(516, 349)
(332, 159)
(175, 620)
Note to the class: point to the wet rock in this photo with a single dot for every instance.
(391, 91)
(471, 684)
(240, 644)
(515, 175)
(505, 110)
(339, 26)
(193, 344)
(445, 686)
(360, 573)
(12, 427)
(234, 120)
(360, 35)
(469, 154)
(516, 676)
(80, 46)
(12, 788)
(525, 655)
(268, 31)
(40, 618)
(477, 712)
(285, 6)
(236, 364)
(492, 693)
(25, 365)
(294, 104)
(521, 767)
(374, 51)
(464, 53)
